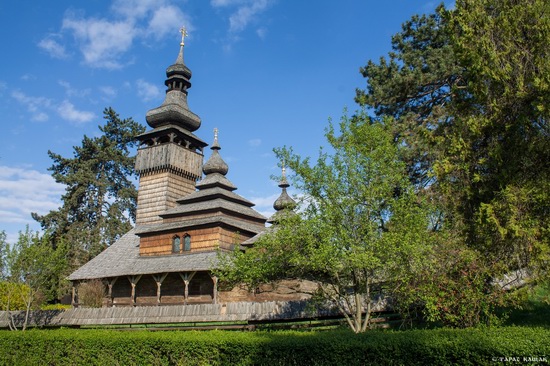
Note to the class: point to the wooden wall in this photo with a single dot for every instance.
(204, 239)
(158, 192)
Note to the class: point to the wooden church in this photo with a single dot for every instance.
(187, 211)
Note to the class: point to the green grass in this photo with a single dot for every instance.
(533, 310)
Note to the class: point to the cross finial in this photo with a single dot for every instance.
(284, 168)
(215, 134)
(184, 34)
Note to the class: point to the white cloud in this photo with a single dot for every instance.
(261, 32)
(265, 202)
(245, 14)
(102, 41)
(39, 106)
(35, 105)
(53, 48)
(147, 91)
(222, 3)
(167, 19)
(135, 9)
(23, 191)
(27, 77)
(73, 92)
(242, 14)
(68, 112)
(255, 142)
(40, 117)
(108, 91)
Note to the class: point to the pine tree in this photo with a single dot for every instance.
(100, 196)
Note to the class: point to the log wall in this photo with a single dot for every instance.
(205, 239)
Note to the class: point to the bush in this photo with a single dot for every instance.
(13, 296)
(91, 294)
(414, 347)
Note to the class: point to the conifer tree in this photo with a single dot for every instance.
(100, 196)
(469, 92)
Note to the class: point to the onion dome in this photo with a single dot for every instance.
(215, 164)
(284, 204)
(174, 110)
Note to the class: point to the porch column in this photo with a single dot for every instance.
(133, 281)
(159, 278)
(215, 290)
(110, 284)
(186, 277)
(74, 295)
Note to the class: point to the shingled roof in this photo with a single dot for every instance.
(122, 259)
(203, 221)
(214, 200)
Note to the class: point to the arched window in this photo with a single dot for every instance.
(176, 247)
(187, 242)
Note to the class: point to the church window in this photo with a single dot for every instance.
(176, 247)
(187, 243)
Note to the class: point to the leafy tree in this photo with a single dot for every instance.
(361, 227)
(469, 93)
(35, 272)
(498, 146)
(100, 197)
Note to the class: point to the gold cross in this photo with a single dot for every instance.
(184, 34)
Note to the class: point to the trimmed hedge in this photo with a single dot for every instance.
(412, 347)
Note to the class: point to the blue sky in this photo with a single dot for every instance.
(266, 73)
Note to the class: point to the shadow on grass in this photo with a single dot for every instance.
(534, 311)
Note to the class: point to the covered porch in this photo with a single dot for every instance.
(166, 288)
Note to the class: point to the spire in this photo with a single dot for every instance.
(215, 164)
(184, 34)
(284, 204)
(174, 110)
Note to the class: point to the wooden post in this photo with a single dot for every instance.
(186, 277)
(215, 290)
(73, 296)
(111, 283)
(133, 281)
(186, 291)
(159, 278)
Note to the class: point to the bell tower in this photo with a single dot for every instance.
(169, 160)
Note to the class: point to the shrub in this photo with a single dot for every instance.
(91, 293)
(13, 296)
(414, 347)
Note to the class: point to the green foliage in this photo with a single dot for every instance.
(91, 293)
(55, 307)
(414, 85)
(361, 227)
(34, 274)
(100, 199)
(418, 347)
(13, 296)
(32, 261)
(468, 90)
(494, 173)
